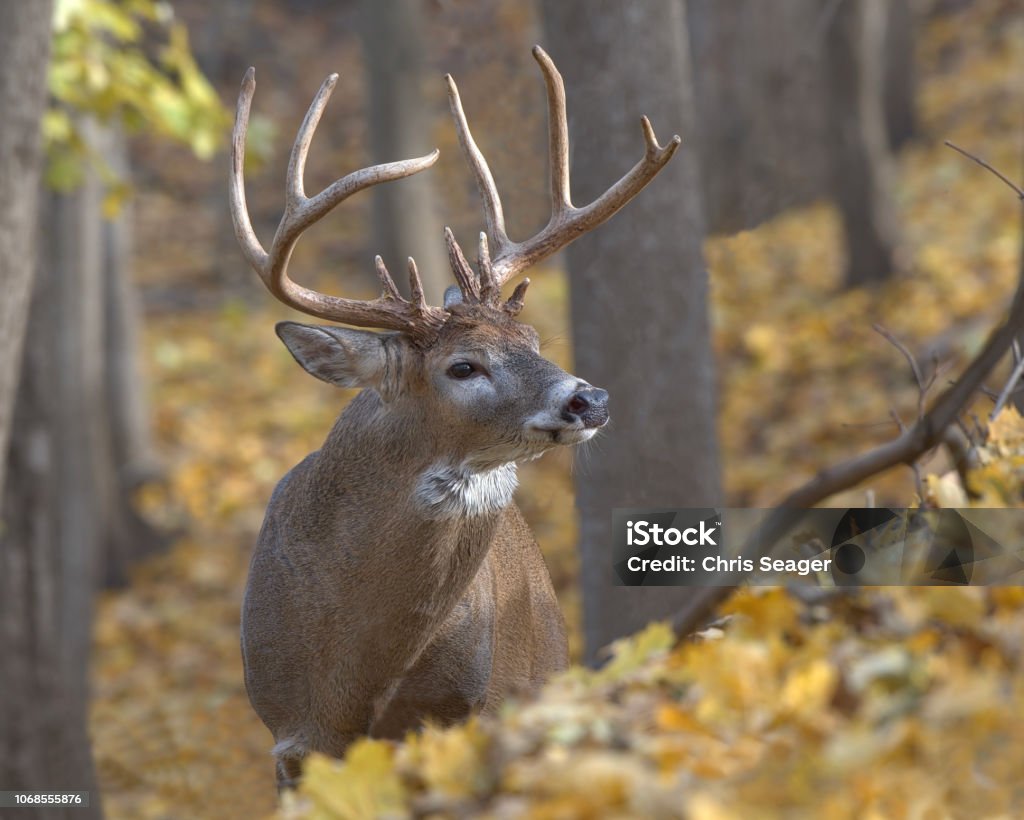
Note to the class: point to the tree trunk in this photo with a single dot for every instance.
(43, 741)
(48, 553)
(766, 125)
(639, 291)
(406, 220)
(861, 165)
(123, 443)
(80, 445)
(24, 54)
(900, 74)
(761, 129)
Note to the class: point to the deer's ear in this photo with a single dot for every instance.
(337, 355)
(452, 296)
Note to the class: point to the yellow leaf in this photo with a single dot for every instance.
(451, 762)
(361, 787)
(809, 688)
(632, 652)
(1007, 429)
(946, 491)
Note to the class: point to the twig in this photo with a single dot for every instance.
(902, 348)
(1008, 389)
(994, 394)
(923, 385)
(928, 431)
(1016, 188)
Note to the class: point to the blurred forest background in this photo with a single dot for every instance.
(812, 198)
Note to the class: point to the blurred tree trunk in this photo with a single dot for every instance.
(900, 74)
(24, 54)
(98, 426)
(49, 549)
(221, 44)
(80, 445)
(125, 454)
(795, 104)
(406, 220)
(639, 291)
(761, 129)
(43, 588)
(860, 162)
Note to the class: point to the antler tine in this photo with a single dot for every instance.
(416, 287)
(493, 214)
(567, 222)
(517, 299)
(302, 211)
(558, 135)
(247, 239)
(469, 284)
(387, 283)
(294, 186)
(489, 288)
(390, 310)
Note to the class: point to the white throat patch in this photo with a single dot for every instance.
(445, 491)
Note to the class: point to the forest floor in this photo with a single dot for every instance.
(804, 382)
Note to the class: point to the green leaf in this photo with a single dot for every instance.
(101, 67)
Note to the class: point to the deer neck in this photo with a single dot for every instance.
(384, 531)
(385, 466)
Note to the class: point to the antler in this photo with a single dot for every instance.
(390, 310)
(507, 258)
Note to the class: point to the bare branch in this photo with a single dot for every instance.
(1016, 188)
(1008, 389)
(929, 430)
(902, 348)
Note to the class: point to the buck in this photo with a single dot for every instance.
(394, 578)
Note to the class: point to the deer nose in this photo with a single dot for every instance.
(589, 405)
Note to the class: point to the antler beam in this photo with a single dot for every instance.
(389, 311)
(567, 222)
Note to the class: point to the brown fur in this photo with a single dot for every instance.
(365, 613)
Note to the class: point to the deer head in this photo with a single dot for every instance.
(467, 372)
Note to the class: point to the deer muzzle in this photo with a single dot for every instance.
(588, 406)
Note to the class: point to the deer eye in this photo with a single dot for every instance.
(462, 370)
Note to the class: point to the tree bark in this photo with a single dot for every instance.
(24, 54)
(406, 221)
(639, 291)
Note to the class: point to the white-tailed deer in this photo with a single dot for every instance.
(394, 578)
